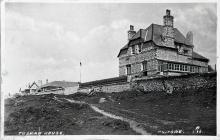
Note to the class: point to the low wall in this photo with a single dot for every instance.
(71, 90)
(177, 83)
(108, 88)
(61, 92)
(173, 83)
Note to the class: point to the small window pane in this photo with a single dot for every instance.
(178, 67)
(181, 67)
(172, 67)
(169, 66)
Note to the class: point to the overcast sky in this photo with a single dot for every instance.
(48, 41)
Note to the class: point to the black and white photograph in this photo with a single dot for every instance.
(108, 68)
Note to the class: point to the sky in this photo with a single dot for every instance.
(49, 40)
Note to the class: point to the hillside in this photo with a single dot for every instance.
(125, 113)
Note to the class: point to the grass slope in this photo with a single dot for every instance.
(157, 112)
(43, 113)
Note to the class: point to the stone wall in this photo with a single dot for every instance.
(143, 56)
(109, 88)
(171, 55)
(135, 61)
(178, 83)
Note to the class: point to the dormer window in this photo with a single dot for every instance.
(139, 48)
(133, 49)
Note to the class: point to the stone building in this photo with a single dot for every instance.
(160, 50)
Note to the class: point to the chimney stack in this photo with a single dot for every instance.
(168, 12)
(131, 32)
(168, 30)
(168, 19)
(46, 81)
(131, 27)
(189, 37)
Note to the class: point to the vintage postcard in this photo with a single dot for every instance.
(108, 70)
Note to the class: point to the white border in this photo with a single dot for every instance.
(218, 68)
(113, 137)
(2, 44)
(114, 1)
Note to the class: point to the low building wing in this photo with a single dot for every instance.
(57, 85)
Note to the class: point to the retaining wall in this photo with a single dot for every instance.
(175, 83)
(108, 88)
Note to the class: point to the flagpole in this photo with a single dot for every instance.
(80, 71)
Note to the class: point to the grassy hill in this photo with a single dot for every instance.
(158, 113)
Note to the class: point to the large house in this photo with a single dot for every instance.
(160, 50)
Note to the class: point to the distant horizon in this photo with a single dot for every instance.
(48, 41)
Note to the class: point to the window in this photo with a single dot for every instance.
(197, 69)
(175, 67)
(144, 65)
(178, 67)
(139, 48)
(185, 51)
(128, 67)
(190, 68)
(193, 69)
(172, 66)
(132, 49)
(185, 67)
(169, 66)
(181, 67)
(160, 66)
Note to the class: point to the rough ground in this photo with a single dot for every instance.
(156, 113)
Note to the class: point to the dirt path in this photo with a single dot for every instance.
(133, 124)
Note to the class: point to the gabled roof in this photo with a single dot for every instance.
(34, 83)
(154, 33)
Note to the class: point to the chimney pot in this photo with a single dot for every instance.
(131, 32)
(168, 12)
(131, 27)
